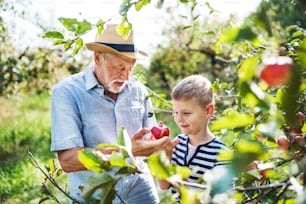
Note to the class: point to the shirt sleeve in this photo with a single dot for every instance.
(66, 123)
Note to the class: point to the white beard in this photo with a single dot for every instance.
(113, 89)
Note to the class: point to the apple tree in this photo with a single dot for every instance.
(264, 123)
(258, 75)
(31, 69)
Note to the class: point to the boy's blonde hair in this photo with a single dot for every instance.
(194, 86)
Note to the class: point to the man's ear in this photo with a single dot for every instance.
(97, 58)
(210, 109)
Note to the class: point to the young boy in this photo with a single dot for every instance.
(198, 148)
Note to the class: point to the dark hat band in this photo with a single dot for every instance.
(120, 47)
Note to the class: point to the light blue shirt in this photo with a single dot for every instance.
(82, 116)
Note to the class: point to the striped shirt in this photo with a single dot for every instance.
(204, 158)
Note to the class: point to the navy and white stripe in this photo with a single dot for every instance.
(205, 157)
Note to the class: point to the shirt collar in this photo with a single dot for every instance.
(91, 80)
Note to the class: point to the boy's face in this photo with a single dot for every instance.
(190, 117)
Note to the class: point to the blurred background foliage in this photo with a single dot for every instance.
(248, 112)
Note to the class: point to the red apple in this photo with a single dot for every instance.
(296, 128)
(301, 177)
(300, 118)
(259, 136)
(259, 166)
(252, 166)
(160, 130)
(283, 143)
(276, 71)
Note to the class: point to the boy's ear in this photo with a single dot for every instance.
(210, 109)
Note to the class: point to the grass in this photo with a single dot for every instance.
(24, 126)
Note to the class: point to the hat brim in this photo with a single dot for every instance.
(104, 48)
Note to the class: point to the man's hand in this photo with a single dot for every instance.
(143, 147)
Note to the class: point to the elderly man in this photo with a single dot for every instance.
(90, 107)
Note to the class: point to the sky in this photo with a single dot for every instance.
(147, 23)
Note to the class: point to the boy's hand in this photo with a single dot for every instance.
(169, 148)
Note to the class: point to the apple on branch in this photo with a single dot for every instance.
(259, 169)
(283, 143)
(276, 71)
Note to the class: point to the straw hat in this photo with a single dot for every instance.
(109, 41)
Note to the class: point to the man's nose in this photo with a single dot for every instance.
(124, 75)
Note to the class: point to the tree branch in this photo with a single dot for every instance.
(35, 163)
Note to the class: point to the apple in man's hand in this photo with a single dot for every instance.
(276, 71)
(160, 130)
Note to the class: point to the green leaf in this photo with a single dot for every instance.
(59, 42)
(225, 155)
(186, 1)
(100, 26)
(237, 34)
(95, 182)
(125, 141)
(68, 44)
(124, 8)
(51, 166)
(253, 96)
(244, 146)
(127, 170)
(141, 3)
(245, 33)
(106, 145)
(159, 4)
(232, 121)
(124, 28)
(117, 159)
(78, 27)
(82, 27)
(53, 34)
(108, 193)
(69, 23)
(78, 46)
(301, 53)
(248, 68)
(189, 195)
(58, 172)
(121, 140)
(158, 163)
(92, 160)
(229, 35)
(126, 153)
(290, 94)
(298, 34)
(183, 171)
